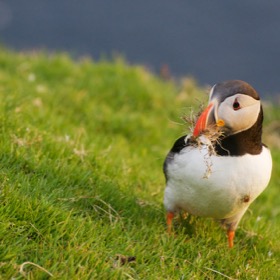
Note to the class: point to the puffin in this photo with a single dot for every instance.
(222, 166)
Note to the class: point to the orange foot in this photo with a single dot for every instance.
(230, 235)
(169, 218)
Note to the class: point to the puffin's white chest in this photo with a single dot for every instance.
(215, 186)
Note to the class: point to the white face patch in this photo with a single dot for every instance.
(239, 112)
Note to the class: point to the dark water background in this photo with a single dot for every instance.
(210, 40)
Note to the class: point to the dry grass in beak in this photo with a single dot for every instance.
(192, 117)
(213, 133)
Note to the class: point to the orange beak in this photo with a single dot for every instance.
(201, 123)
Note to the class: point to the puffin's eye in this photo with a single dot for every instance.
(236, 105)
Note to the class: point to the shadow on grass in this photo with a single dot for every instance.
(82, 191)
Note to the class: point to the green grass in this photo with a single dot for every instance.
(82, 147)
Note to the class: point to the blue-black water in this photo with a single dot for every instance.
(209, 40)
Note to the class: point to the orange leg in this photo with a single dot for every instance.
(230, 235)
(169, 218)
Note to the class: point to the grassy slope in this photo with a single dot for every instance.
(82, 146)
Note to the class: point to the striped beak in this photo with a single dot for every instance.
(202, 121)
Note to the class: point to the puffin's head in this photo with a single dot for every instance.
(234, 106)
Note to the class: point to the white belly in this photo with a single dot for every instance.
(215, 186)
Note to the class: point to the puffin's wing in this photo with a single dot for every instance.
(179, 144)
